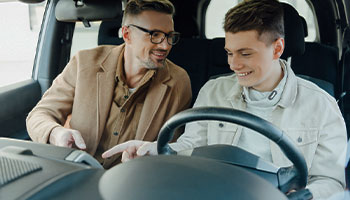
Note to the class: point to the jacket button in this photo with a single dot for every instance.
(115, 133)
(221, 125)
(126, 96)
(299, 139)
(122, 110)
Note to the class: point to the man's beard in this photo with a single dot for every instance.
(150, 64)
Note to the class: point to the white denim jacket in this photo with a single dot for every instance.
(306, 113)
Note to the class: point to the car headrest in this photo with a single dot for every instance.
(294, 32)
(306, 33)
(346, 37)
(187, 26)
(88, 10)
(108, 32)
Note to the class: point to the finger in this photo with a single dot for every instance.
(125, 156)
(120, 148)
(132, 152)
(78, 140)
(66, 140)
(116, 149)
(147, 148)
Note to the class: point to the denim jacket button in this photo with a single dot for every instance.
(299, 139)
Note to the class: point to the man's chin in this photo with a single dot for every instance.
(153, 64)
(157, 65)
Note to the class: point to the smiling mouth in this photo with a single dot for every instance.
(243, 74)
(159, 54)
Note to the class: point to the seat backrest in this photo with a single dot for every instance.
(192, 55)
(202, 59)
(318, 61)
(345, 64)
(346, 99)
(218, 58)
(314, 61)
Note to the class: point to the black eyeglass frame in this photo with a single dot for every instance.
(150, 32)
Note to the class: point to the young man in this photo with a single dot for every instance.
(266, 86)
(116, 93)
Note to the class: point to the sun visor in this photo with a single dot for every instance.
(88, 10)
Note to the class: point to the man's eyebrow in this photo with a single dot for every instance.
(244, 49)
(239, 50)
(161, 31)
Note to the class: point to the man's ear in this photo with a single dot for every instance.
(278, 48)
(126, 34)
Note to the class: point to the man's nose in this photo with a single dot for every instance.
(164, 44)
(234, 63)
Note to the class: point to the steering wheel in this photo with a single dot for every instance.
(241, 118)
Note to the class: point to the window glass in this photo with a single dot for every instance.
(217, 9)
(214, 19)
(84, 38)
(20, 26)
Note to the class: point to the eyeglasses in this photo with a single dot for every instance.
(158, 37)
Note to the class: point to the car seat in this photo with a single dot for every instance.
(310, 60)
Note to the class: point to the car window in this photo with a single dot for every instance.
(20, 26)
(84, 38)
(217, 9)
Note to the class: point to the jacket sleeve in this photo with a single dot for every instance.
(55, 105)
(327, 172)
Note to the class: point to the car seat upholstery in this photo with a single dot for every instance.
(218, 56)
(345, 64)
(326, 84)
(192, 55)
(108, 33)
(294, 33)
(321, 62)
(303, 21)
(310, 60)
(345, 102)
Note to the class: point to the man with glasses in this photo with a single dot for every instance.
(116, 93)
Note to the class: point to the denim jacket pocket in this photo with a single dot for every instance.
(306, 140)
(221, 132)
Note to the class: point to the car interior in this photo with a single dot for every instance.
(33, 172)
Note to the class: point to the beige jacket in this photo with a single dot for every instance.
(305, 111)
(85, 89)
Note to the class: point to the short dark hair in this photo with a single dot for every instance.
(136, 7)
(264, 16)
